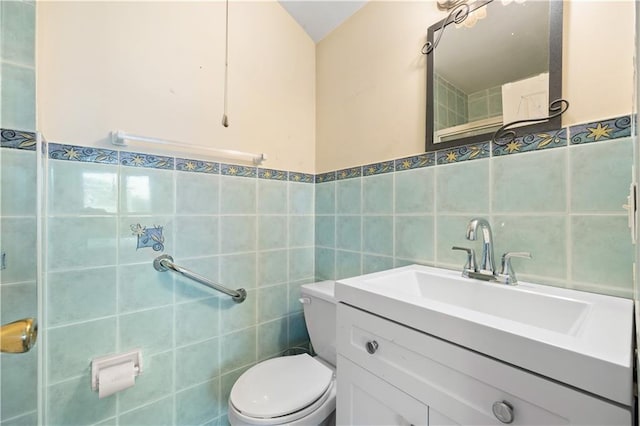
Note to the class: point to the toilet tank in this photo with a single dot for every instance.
(320, 315)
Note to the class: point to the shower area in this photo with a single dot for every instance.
(20, 170)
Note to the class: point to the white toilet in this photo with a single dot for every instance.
(299, 389)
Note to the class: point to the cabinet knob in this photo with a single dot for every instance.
(503, 411)
(372, 346)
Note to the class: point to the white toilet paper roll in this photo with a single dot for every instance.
(116, 378)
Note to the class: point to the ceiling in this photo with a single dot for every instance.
(319, 18)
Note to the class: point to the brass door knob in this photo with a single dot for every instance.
(18, 336)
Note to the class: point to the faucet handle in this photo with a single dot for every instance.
(471, 260)
(507, 274)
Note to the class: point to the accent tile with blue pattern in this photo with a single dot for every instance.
(136, 159)
(17, 139)
(352, 172)
(416, 161)
(198, 166)
(463, 153)
(531, 142)
(82, 154)
(378, 168)
(235, 170)
(301, 177)
(272, 174)
(613, 128)
(326, 177)
(148, 237)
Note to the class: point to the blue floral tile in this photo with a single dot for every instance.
(83, 154)
(186, 165)
(378, 168)
(135, 159)
(148, 237)
(614, 128)
(416, 162)
(463, 153)
(352, 172)
(301, 177)
(235, 170)
(272, 174)
(17, 139)
(531, 142)
(326, 177)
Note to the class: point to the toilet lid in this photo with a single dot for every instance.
(280, 386)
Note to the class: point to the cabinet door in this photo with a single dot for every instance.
(461, 384)
(364, 399)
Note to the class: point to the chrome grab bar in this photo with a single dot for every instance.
(165, 263)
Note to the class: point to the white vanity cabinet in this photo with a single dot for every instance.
(392, 374)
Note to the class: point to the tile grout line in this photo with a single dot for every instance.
(361, 223)
(118, 269)
(42, 290)
(568, 210)
(219, 277)
(434, 207)
(174, 313)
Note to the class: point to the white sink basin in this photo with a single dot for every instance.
(579, 338)
(561, 314)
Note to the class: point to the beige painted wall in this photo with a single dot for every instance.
(156, 69)
(370, 80)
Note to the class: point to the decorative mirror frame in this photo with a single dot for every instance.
(555, 77)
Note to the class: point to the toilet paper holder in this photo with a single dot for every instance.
(107, 361)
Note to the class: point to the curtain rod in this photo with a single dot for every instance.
(120, 138)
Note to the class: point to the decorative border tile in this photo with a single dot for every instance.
(17, 139)
(378, 168)
(136, 159)
(602, 130)
(326, 177)
(531, 142)
(197, 166)
(463, 153)
(301, 177)
(272, 174)
(597, 131)
(235, 170)
(415, 162)
(352, 172)
(82, 153)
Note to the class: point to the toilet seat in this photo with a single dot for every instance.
(282, 390)
(310, 415)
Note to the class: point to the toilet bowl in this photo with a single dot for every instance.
(299, 389)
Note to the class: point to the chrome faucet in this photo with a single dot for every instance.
(487, 269)
(487, 264)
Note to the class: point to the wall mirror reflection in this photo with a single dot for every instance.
(501, 64)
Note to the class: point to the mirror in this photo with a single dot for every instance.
(501, 64)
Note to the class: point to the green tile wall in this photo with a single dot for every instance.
(563, 205)
(18, 197)
(103, 295)
(18, 295)
(18, 202)
(17, 65)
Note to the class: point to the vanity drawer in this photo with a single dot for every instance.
(461, 384)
